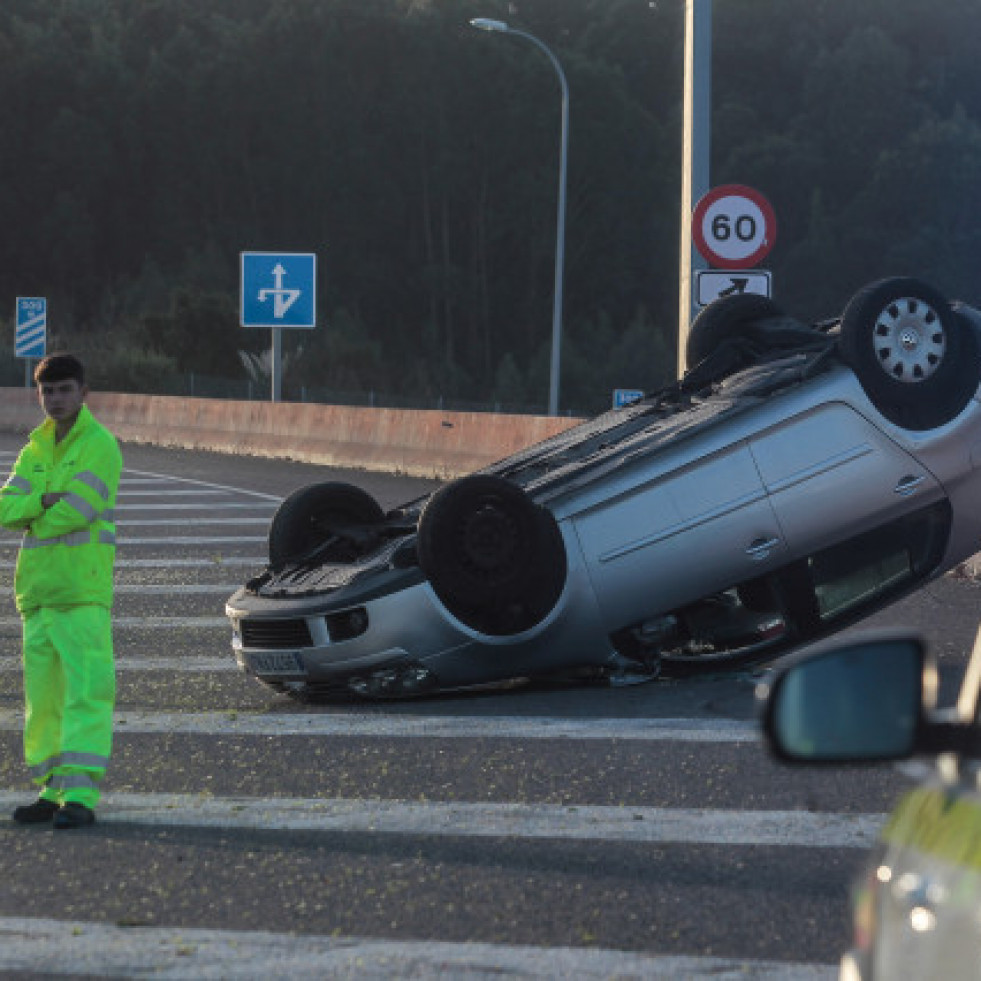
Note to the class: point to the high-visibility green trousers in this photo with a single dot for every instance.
(69, 692)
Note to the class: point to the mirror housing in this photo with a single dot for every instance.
(860, 701)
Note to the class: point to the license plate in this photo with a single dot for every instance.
(276, 662)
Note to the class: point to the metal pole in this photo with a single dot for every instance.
(486, 24)
(277, 354)
(556, 360)
(695, 155)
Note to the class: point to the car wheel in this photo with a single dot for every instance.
(914, 356)
(724, 319)
(494, 558)
(310, 515)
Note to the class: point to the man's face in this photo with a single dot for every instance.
(61, 400)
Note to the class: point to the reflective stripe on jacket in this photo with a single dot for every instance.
(68, 550)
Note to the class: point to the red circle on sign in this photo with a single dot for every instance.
(733, 226)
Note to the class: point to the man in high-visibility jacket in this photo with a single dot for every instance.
(61, 494)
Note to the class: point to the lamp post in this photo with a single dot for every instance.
(499, 26)
(696, 136)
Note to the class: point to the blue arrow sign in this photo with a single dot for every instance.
(31, 333)
(279, 289)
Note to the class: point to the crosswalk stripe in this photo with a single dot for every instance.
(225, 506)
(146, 623)
(371, 724)
(162, 589)
(170, 492)
(482, 819)
(178, 665)
(125, 481)
(127, 540)
(177, 562)
(189, 522)
(39, 946)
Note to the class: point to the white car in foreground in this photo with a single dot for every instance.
(917, 904)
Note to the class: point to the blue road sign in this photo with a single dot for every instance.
(624, 396)
(31, 333)
(279, 289)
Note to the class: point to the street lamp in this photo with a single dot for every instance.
(499, 26)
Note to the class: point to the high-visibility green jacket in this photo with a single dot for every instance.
(67, 554)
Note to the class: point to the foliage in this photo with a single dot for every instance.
(149, 142)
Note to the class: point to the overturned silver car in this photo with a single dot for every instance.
(799, 477)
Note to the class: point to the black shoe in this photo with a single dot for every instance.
(72, 815)
(40, 811)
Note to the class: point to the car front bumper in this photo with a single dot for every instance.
(405, 641)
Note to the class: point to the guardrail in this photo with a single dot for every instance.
(419, 442)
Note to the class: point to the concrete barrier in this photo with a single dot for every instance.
(423, 443)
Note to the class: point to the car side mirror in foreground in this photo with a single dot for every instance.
(860, 701)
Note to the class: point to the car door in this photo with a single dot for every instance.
(831, 474)
(659, 543)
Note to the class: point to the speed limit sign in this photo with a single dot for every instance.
(733, 226)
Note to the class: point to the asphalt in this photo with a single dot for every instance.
(751, 905)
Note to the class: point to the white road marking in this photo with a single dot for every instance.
(194, 492)
(162, 589)
(189, 522)
(225, 505)
(251, 561)
(146, 623)
(179, 665)
(483, 819)
(203, 483)
(367, 724)
(39, 946)
(156, 589)
(128, 541)
(125, 481)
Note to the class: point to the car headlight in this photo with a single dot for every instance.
(393, 682)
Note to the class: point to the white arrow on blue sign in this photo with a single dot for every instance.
(279, 289)
(31, 332)
(624, 396)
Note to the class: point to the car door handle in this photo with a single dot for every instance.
(761, 548)
(907, 485)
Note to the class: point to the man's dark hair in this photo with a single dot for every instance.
(59, 367)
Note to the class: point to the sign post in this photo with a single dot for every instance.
(695, 142)
(278, 289)
(30, 336)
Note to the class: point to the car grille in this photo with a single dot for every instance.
(275, 633)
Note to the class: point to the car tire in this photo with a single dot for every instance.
(494, 558)
(303, 521)
(724, 319)
(915, 357)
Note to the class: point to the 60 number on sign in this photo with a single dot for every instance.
(733, 226)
